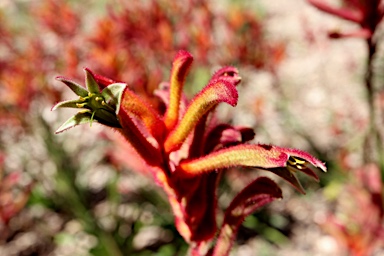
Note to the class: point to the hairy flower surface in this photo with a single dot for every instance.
(186, 150)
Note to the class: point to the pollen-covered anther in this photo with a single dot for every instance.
(229, 73)
(298, 163)
(81, 105)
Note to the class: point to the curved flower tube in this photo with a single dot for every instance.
(187, 151)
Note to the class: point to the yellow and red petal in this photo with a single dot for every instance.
(284, 162)
(180, 68)
(217, 91)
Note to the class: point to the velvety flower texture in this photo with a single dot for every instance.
(186, 150)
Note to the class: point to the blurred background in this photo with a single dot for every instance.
(305, 84)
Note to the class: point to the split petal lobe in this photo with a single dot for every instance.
(100, 106)
(287, 174)
(113, 93)
(101, 81)
(91, 83)
(217, 91)
(134, 105)
(75, 87)
(68, 104)
(180, 68)
(80, 118)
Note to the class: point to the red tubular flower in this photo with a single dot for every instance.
(186, 151)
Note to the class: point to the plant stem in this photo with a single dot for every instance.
(372, 142)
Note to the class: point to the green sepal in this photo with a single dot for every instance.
(288, 175)
(69, 104)
(91, 83)
(82, 117)
(113, 93)
(75, 87)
